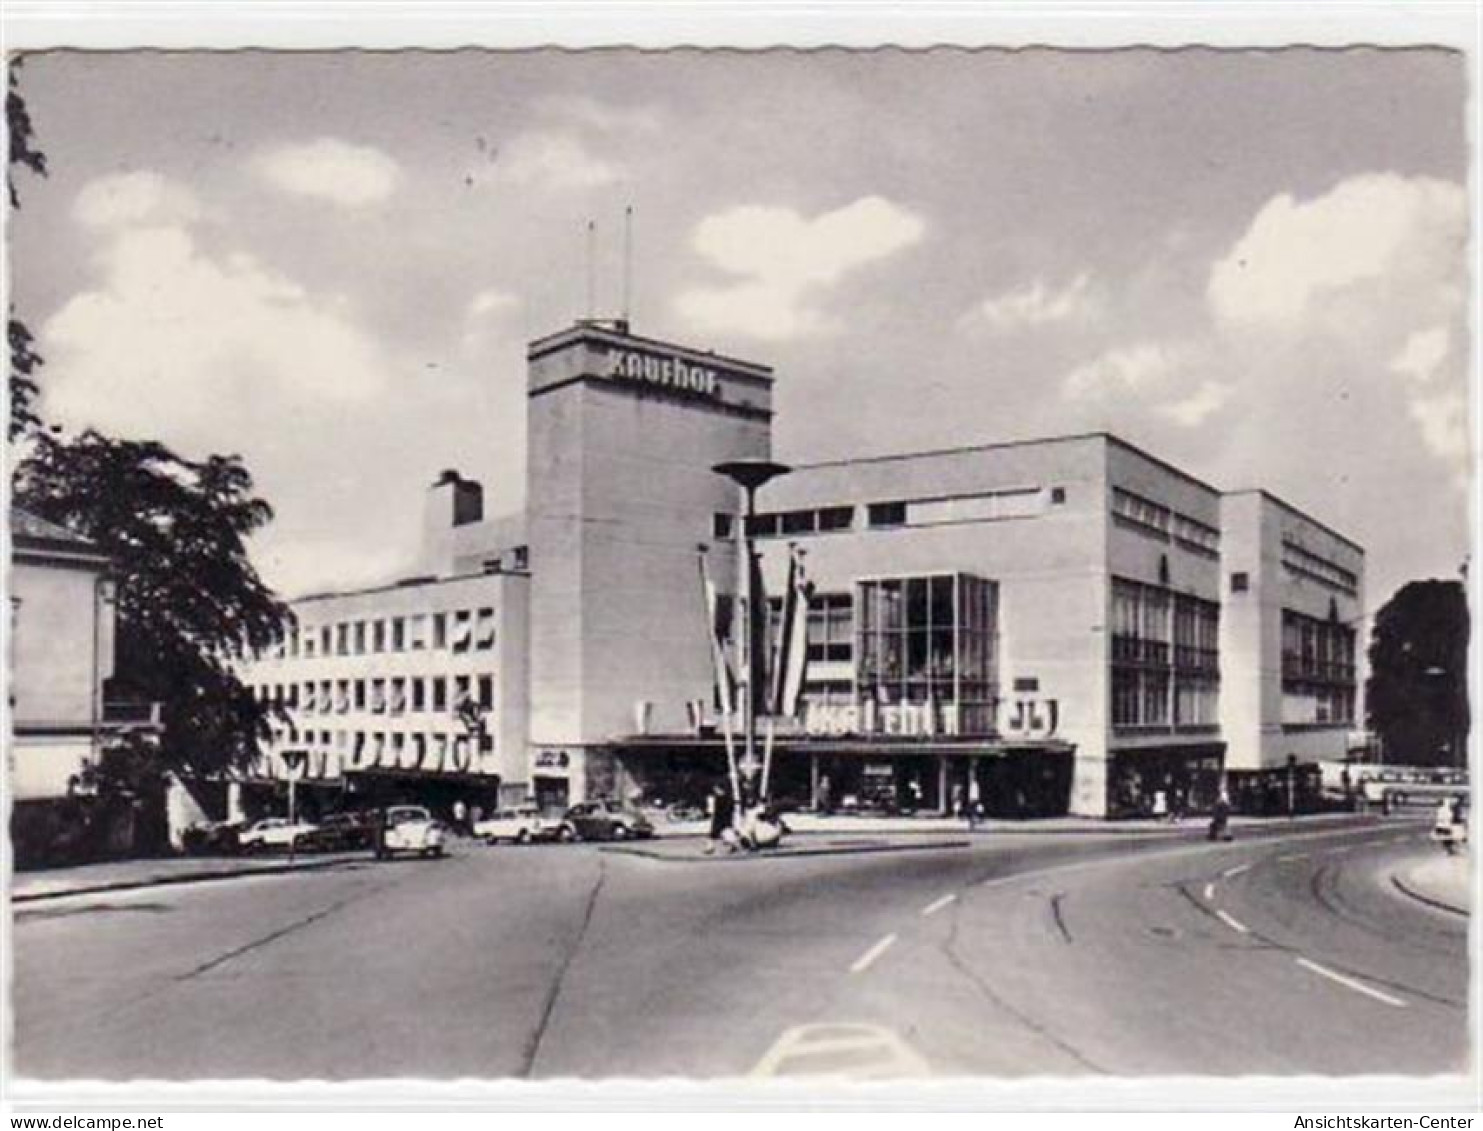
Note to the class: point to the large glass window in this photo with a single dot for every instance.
(1318, 672)
(1165, 657)
(929, 641)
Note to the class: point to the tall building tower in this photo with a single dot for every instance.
(622, 434)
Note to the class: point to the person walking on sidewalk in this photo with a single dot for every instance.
(1220, 815)
(722, 810)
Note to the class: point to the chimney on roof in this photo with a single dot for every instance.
(452, 501)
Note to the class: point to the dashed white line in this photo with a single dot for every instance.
(1340, 850)
(938, 904)
(863, 963)
(1350, 983)
(1236, 871)
(1210, 891)
(1289, 857)
(1232, 922)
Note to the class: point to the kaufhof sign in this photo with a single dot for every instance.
(671, 373)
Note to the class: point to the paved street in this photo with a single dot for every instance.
(1288, 951)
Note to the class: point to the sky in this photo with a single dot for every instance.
(1253, 264)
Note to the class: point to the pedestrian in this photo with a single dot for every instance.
(1220, 815)
(824, 800)
(461, 817)
(378, 833)
(721, 810)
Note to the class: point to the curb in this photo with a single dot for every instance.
(189, 878)
(786, 854)
(1429, 900)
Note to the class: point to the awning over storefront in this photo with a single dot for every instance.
(861, 745)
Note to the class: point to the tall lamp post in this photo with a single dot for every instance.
(749, 475)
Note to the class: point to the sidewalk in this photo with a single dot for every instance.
(843, 823)
(1441, 881)
(691, 848)
(122, 875)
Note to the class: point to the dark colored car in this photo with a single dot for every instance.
(604, 820)
(339, 832)
(216, 838)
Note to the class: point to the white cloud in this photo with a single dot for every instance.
(551, 159)
(1199, 406)
(141, 197)
(172, 342)
(1034, 304)
(1423, 354)
(1375, 227)
(784, 261)
(1124, 369)
(1443, 420)
(491, 302)
(332, 170)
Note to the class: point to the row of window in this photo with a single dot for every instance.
(1310, 565)
(1153, 697)
(1316, 652)
(359, 748)
(1018, 503)
(395, 695)
(460, 631)
(1165, 523)
(1154, 626)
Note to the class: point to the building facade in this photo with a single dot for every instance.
(1067, 624)
(61, 641)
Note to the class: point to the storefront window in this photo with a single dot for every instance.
(928, 642)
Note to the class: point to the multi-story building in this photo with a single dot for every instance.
(418, 688)
(1041, 626)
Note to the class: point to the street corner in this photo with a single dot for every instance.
(1441, 881)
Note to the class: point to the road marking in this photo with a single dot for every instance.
(863, 963)
(1340, 851)
(1236, 871)
(1184, 848)
(1351, 983)
(938, 904)
(1290, 857)
(1232, 922)
(845, 1051)
(1210, 891)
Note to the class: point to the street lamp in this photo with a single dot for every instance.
(749, 475)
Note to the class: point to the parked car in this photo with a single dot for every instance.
(340, 832)
(274, 832)
(604, 820)
(411, 828)
(520, 825)
(212, 838)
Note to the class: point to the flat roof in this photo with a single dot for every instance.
(404, 584)
(546, 344)
(966, 449)
(1304, 515)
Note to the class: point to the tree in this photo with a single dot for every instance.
(188, 598)
(24, 360)
(1417, 695)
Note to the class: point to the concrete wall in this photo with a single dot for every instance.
(1049, 564)
(1257, 527)
(620, 494)
(61, 649)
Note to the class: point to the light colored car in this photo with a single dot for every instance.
(520, 825)
(273, 832)
(411, 828)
